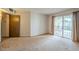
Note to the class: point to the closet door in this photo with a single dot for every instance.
(14, 26)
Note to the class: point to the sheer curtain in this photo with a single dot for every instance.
(76, 26)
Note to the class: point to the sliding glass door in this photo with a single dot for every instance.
(58, 26)
(63, 26)
(67, 27)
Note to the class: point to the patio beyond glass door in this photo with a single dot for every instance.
(63, 26)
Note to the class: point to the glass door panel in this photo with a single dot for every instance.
(67, 26)
(58, 26)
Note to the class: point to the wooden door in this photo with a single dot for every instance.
(14, 26)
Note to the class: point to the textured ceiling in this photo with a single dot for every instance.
(43, 10)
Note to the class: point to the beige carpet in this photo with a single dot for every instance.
(39, 43)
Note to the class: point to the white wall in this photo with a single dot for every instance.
(24, 23)
(32, 24)
(39, 24)
(50, 22)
